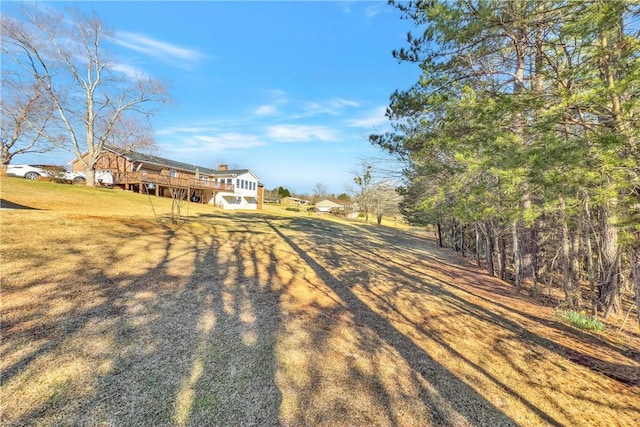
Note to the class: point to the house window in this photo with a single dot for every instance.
(173, 173)
(229, 181)
(205, 178)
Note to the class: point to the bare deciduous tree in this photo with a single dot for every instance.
(24, 116)
(88, 91)
(131, 133)
(362, 179)
(319, 192)
(384, 200)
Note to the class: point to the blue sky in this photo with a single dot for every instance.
(289, 89)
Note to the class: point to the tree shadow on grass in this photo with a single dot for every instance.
(193, 338)
(211, 346)
(187, 341)
(474, 407)
(474, 283)
(7, 204)
(411, 276)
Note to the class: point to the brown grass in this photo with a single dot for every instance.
(276, 318)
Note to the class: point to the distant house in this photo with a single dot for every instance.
(148, 174)
(327, 205)
(295, 201)
(332, 205)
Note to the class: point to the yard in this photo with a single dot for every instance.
(276, 318)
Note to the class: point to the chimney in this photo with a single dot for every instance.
(224, 167)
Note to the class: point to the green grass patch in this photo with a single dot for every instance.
(581, 320)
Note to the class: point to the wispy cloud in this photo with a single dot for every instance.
(266, 110)
(130, 71)
(199, 146)
(183, 57)
(279, 95)
(182, 130)
(375, 117)
(332, 107)
(227, 141)
(207, 137)
(300, 133)
(371, 11)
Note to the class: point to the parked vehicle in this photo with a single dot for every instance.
(35, 172)
(26, 171)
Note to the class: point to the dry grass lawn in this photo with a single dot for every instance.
(273, 318)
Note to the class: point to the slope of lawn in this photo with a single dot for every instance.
(111, 317)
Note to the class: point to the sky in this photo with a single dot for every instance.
(290, 90)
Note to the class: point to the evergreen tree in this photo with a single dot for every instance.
(524, 122)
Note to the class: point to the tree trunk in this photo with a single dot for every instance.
(570, 285)
(635, 270)
(609, 276)
(591, 273)
(520, 44)
(478, 247)
(527, 243)
(534, 251)
(452, 236)
(610, 252)
(439, 234)
(90, 177)
(5, 159)
(502, 256)
(575, 261)
(517, 257)
(488, 248)
(566, 270)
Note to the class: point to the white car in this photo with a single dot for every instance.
(26, 171)
(36, 171)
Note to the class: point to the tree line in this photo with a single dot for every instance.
(520, 140)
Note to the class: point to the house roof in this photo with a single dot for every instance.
(329, 203)
(335, 202)
(134, 156)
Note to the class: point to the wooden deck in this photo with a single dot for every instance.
(132, 178)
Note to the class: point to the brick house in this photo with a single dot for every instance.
(149, 174)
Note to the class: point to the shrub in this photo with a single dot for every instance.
(293, 209)
(582, 320)
(55, 173)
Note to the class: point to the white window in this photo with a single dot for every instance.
(173, 173)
